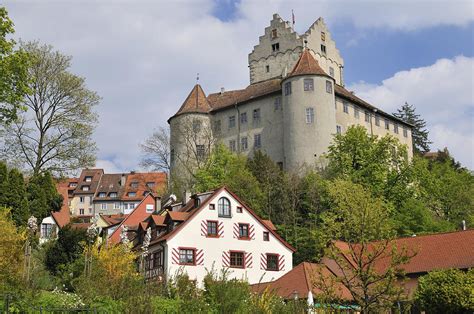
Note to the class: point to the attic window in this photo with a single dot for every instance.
(88, 179)
(266, 236)
(276, 47)
(224, 207)
(323, 49)
(150, 184)
(134, 185)
(101, 194)
(239, 209)
(274, 33)
(131, 194)
(72, 184)
(212, 206)
(85, 188)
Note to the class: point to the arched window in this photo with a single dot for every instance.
(224, 207)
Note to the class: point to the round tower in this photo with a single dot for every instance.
(309, 115)
(190, 136)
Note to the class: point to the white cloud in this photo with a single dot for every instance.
(142, 56)
(442, 93)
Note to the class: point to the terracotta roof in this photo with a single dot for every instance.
(195, 102)
(114, 219)
(159, 220)
(81, 225)
(302, 279)
(269, 224)
(110, 183)
(95, 174)
(307, 65)
(63, 216)
(141, 179)
(178, 216)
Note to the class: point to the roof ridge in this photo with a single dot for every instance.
(307, 65)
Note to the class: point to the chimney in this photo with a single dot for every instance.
(222, 90)
(123, 179)
(464, 225)
(157, 204)
(186, 197)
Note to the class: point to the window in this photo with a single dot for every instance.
(101, 194)
(276, 47)
(117, 205)
(243, 118)
(243, 143)
(256, 115)
(113, 194)
(387, 124)
(187, 256)
(237, 259)
(232, 145)
(331, 71)
(85, 188)
(88, 178)
(367, 117)
(81, 211)
(90, 211)
(150, 185)
(134, 185)
(277, 103)
(200, 152)
(272, 262)
(395, 128)
(212, 206)
(345, 107)
(308, 84)
(356, 112)
(287, 88)
(257, 141)
(223, 206)
(280, 165)
(150, 208)
(239, 209)
(323, 36)
(323, 49)
(217, 126)
(405, 132)
(196, 126)
(46, 230)
(132, 194)
(72, 184)
(329, 87)
(338, 129)
(309, 115)
(81, 199)
(274, 34)
(212, 228)
(103, 206)
(231, 122)
(267, 68)
(243, 231)
(377, 120)
(266, 236)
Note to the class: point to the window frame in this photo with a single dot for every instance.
(345, 107)
(405, 132)
(256, 115)
(277, 104)
(187, 249)
(338, 129)
(247, 225)
(329, 87)
(243, 259)
(200, 151)
(308, 85)
(221, 213)
(367, 116)
(287, 88)
(257, 141)
(232, 145)
(275, 47)
(103, 206)
(387, 124)
(212, 235)
(395, 128)
(266, 236)
(243, 117)
(231, 122)
(309, 115)
(244, 143)
(331, 72)
(267, 255)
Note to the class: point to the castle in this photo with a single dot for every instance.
(295, 103)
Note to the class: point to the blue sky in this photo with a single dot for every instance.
(142, 57)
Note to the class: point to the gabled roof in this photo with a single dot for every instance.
(178, 216)
(307, 65)
(113, 220)
(196, 102)
(141, 179)
(95, 174)
(110, 182)
(302, 279)
(193, 211)
(159, 220)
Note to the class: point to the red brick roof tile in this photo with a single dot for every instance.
(307, 65)
(195, 102)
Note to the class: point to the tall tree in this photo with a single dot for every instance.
(13, 72)
(17, 198)
(156, 150)
(421, 143)
(55, 133)
(367, 262)
(43, 197)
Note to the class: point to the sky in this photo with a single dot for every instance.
(142, 58)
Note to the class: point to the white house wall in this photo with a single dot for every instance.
(210, 252)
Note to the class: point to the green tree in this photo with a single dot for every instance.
(421, 143)
(17, 198)
(368, 262)
(446, 291)
(43, 197)
(13, 72)
(55, 134)
(225, 168)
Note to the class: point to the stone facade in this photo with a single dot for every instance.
(294, 127)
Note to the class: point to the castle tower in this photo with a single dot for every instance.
(190, 135)
(309, 114)
(279, 49)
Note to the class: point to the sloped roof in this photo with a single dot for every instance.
(110, 183)
(63, 216)
(307, 65)
(269, 224)
(302, 279)
(141, 179)
(95, 174)
(196, 102)
(178, 216)
(114, 219)
(159, 220)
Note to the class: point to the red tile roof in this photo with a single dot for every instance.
(269, 224)
(178, 216)
(307, 65)
(63, 216)
(302, 279)
(95, 174)
(195, 102)
(114, 219)
(159, 220)
(141, 179)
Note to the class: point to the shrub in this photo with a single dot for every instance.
(58, 299)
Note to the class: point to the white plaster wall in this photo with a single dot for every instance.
(76, 205)
(213, 248)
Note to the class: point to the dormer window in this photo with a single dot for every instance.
(134, 185)
(88, 178)
(276, 47)
(101, 194)
(274, 33)
(150, 184)
(113, 194)
(72, 184)
(132, 194)
(85, 188)
(224, 207)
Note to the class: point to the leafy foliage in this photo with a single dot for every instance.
(43, 197)
(446, 291)
(13, 194)
(407, 113)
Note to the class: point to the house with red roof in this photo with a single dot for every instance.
(213, 230)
